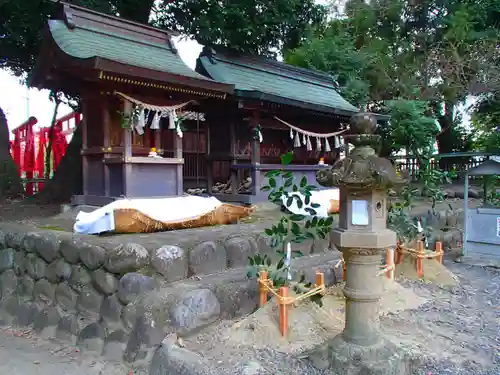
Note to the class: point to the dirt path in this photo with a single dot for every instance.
(21, 353)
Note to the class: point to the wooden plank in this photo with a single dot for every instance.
(86, 108)
(127, 133)
(210, 174)
(106, 140)
(178, 155)
(232, 140)
(255, 153)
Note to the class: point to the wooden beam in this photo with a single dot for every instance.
(178, 155)
(255, 153)
(210, 175)
(232, 147)
(105, 108)
(86, 107)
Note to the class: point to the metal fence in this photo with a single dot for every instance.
(458, 162)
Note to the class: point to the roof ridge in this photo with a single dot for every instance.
(122, 36)
(67, 6)
(216, 52)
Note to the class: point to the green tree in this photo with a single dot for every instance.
(486, 123)
(435, 51)
(255, 26)
(409, 129)
(332, 50)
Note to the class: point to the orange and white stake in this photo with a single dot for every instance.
(439, 250)
(420, 259)
(320, 279)
(283, 293)
(262, 288)
(389, 260)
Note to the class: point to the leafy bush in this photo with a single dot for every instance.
(290, 228)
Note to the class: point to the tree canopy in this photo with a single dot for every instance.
(436, 53)
(255, 26)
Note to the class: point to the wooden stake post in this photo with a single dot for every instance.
(266, 287)
(420, 253)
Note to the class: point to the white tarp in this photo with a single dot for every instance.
(321, 197)
(162, 209)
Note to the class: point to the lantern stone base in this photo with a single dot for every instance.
(344, 358)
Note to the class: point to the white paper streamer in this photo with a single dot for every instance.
(291, 134)
(296, 143)
(261, 138)
(288, 260)
(155, 124)
(318, 144)
(172, 119)
(308, 144)
(337, 142)
(327, 145)
(141, 123)
(304, 140)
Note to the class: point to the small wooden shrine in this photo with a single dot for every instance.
(276, 108)
(135, 92)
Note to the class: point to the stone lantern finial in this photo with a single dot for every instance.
(363, 169)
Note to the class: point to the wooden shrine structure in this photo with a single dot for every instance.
(276, 108)
(116, 67)
(153, 127)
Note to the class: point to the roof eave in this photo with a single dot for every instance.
(292, 102)
(155, 75)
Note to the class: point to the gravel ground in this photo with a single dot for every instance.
(458, 332)
(461, 325)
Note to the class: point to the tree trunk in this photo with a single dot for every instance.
(445, 137)
(67, 179)
(10, 182)
(51, 137)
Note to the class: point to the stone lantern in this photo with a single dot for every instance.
(362, 236)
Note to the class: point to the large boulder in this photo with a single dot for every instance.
(195, 309)
(132, 285)
(171, 262)
(173, 360)
(206, 258)
(127, 257)
(6, 259)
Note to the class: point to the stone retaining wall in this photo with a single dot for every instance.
(120, 300)
(71, 290)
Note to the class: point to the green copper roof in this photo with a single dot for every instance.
(273, 81)
(84, 42)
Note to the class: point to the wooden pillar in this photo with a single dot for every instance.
(127, 148)
(106, 141)
(210, 175)
(157, 139)
(86, 107)
(255, 142)
(255, 153)
(232, 146)
(127, 133)
(179, 169)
